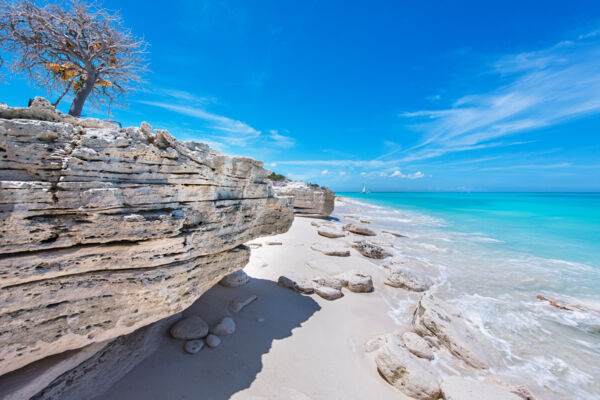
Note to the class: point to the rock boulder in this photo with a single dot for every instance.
(308, 199)
(434, 317)
(104, 230)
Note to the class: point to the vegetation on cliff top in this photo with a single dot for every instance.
(72, 47)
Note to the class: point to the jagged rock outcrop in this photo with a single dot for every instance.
(104, 230)
(308, 199)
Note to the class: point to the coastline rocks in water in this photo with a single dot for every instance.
(417, 345)
(235, 279)
(303, 286)
(330, 232)
(225, 327)
(328, 293)
(435, 317)
(236, 304)
(411, 375)
(559, 306)
(359, 230)
(212, 341)
(104, 230)
(398, 235)
(330, 250)
(193, 346)
(405, 279)
(370, 250)
(307, 199)
(459, 388)
(189, 328)
(356, 281)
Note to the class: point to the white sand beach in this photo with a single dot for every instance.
(287, 345)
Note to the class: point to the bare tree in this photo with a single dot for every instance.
(72, 47)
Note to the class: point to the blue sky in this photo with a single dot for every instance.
(444, 95)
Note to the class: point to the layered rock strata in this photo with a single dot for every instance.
(308, 199)
(104, 230)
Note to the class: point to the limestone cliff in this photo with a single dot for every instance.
(308, 199)
(104, 230)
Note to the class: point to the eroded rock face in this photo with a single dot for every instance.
(413, 376)
(434, 317)
(307, 199)
(403, 278)
(104, 230)
(235, 279)
(371, 250)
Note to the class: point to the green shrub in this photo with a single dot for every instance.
(276, 177)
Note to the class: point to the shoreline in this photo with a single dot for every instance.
(287, 344)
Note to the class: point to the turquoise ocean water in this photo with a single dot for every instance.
(552, 225)
(491, 255)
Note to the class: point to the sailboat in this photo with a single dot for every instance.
(364, 189)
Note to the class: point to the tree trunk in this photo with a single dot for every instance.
(82, 94)
(55, 104)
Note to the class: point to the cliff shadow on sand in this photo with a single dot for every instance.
(219, 373)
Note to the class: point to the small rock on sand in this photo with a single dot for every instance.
(329, 282)
(331, 232)
(411, 375)
(459, 388)
(331, 251)
(236, 304)
(274, 243)
(370, 250)
(225, 327)
(359, 230)
(405, 279)
(255, 245)
(417, 345)
(328, 293)
(303, 286)
(235, 279)
(213, 341)
(357, 282)
(193, 346)
(189, 328)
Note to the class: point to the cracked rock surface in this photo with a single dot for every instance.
(104, 230)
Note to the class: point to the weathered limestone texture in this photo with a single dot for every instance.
(105, 230)
(308, 199)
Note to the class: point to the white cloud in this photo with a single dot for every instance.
(230, 131)
(416, 175)
(545, 88)
(324, 172)
(342, 173)
(281, 140)
(530, 166)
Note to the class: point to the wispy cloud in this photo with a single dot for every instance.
(217, 130)
(281, 140)
(545, 88)
(399, 174)
(530, 166)
(232, 131)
